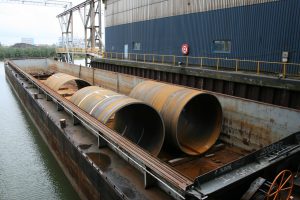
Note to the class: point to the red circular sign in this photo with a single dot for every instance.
(185, 49)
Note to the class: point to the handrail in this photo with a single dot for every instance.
(79, 50)
(258, 67)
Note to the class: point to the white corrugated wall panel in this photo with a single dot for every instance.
(128, 11)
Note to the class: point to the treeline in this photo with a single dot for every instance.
(34, 52)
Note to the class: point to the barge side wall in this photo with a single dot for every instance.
(247, 124)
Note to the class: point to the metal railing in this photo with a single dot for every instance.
(79, 50)
(220, 64)
(279, 69)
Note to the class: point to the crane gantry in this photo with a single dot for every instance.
(50, 3)
(91, 17)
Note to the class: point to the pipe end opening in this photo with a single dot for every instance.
(199, 124)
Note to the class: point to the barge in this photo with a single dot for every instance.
(255, 139)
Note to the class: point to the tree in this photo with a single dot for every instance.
(12, 52)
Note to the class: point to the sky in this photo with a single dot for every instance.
(38, 22)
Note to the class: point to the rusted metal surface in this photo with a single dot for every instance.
(243, 128)
(96, 174)
(86, 74)
(247, 124)
(55, 139)
(259, 88)
(56, 81)
(165, 175)
(42, 75)
(193, 119)
(131, 118)
(33, 65)
(193, 167)
(106, 80)
(252, 125)
(62, 67)
(286, 150)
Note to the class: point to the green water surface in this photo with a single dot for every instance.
(27, 168)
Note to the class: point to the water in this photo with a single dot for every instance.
(27, 168)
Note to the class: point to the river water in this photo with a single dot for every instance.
(27, 168)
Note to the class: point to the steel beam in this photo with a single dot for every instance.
(50, 3)
(90, 14)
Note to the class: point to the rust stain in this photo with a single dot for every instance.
(56, 81)
(183, 110)
(103, 161)
(131, 118)
(249, 134)
(201, 165)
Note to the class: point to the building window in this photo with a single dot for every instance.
(221, 46)
(136, 46)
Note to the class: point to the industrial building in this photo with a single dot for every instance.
(244, 29)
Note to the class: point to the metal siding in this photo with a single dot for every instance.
(259, 32)
(128, 11)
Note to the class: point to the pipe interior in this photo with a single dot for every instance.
(142, 125)
(74, 84)
(81, 84)
(199, 124)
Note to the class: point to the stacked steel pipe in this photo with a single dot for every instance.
(132, 118)
(193, 119)
(56, 81)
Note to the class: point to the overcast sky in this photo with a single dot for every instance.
(38, 22)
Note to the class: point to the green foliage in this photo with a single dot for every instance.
(35, 52)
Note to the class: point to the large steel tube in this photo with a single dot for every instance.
(192, 118)
(56, 81)
(131, 118)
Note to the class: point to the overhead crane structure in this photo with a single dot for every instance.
(90, 14)
(50, 3)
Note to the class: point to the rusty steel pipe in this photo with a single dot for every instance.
(193, 119)
(56, 81)
(131, 118)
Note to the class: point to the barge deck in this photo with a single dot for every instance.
(247, 147)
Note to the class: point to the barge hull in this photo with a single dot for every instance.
(84, 178)
(123, 175)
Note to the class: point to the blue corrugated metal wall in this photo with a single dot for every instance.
(258, 32)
